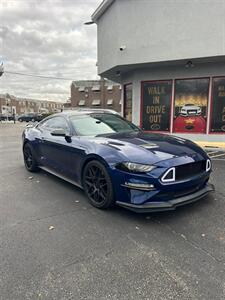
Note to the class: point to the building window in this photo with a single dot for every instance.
(218, 105)
(81, 103)
(96, 88)
(156, 105)
(96, 102)
(110, 102)
(128, 102)
(190, 105)
(81, 89)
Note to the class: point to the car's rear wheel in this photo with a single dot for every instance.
(97, 185)
(29, 159)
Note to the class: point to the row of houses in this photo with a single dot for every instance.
(84, 94)
(10, 104)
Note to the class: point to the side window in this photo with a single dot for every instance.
(55, 123)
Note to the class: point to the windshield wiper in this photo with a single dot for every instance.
(117, 133)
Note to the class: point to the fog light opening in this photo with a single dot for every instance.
(139, 186)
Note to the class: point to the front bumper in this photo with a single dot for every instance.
(168, 205)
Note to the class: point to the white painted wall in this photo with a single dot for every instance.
(160, 30)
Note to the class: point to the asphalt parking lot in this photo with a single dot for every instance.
(54, 245)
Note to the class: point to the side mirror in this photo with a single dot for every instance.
(59, 132)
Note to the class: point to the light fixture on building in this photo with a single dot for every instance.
(123, 47)
(118, 73)
(1, 69)
(89, 23)
(189, 64)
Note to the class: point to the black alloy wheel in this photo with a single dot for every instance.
(29, 159)
(97, 185)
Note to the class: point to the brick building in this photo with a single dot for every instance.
(10, 104)
(96, 94)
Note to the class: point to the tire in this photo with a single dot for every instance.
(20, 120)
(97, 185)
(29, 159)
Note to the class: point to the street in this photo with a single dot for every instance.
(55, 245)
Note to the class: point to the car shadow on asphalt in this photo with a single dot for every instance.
(201, 206)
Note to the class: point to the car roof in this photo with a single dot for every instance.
(77, 112)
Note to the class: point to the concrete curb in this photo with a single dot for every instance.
(211, 145)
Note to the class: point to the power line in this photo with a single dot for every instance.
(39, 76)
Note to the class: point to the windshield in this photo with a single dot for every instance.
(97, 124)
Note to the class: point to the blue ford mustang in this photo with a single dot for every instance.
(117, 163)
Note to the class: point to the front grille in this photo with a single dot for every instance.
(189, 170)
(177, 193)
(190, 112)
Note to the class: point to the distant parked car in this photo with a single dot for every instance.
(190, 110)
(4, 117)
(43, 115)
(30, 117)
(33, 117)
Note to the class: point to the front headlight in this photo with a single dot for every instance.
(134, 167)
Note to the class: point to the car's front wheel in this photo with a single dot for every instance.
(97, 185)
(29, 159)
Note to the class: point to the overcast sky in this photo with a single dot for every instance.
(46, 37)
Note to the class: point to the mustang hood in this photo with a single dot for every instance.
(151, 148)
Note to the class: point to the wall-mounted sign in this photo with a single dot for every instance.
(218, 105)
(190, 106)
(156, 105)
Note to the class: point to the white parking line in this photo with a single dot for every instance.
(219, 159)
(212, 152)
(221, 154)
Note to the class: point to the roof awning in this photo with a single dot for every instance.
(81, 89)
(96, 88)
(81, 103)
(96, 102)
(110, 102)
